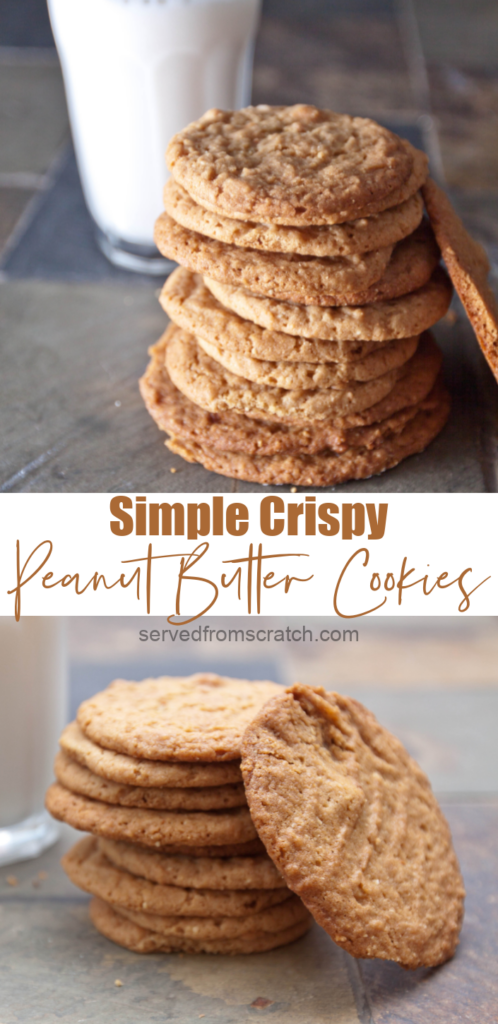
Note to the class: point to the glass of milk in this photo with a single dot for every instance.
(136, 72)
(32, 715)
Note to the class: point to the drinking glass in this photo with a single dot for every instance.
(136, 72)
(32, 715)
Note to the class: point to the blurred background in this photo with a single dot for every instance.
(433, 682)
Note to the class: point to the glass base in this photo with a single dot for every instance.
(28, 838)
(141, 259)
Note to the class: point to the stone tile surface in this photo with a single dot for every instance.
(25, 24)
(13, 202)
(54, 966)
(33, 116)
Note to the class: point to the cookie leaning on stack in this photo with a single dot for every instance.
(174, 862)
(352, 824)
(297, 358)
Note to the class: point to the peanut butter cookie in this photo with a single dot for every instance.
(194, 308)
(89, 869)
(347, 239)
(230, 431)
(326, 468)
(194, 872)
(109, 922)
(208, 384)
(81, 780)
(199, 717)
(468, 267)
(150, 827)
(308, 376)
(352, 825)
(136, 771)
(375, 322)
(285, 276)
(288, 165)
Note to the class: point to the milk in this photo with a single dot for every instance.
(136, 72)
(32, 715)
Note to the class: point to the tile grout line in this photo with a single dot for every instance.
(47, 180)
(363, 1005)
(41, 56)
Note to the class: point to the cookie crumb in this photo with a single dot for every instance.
(293, 490)
(201, 1015)
(261, 1003)
(118, 983)
(12, 880)
(173, 469)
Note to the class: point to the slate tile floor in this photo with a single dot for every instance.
(441, 700)
(425, 68)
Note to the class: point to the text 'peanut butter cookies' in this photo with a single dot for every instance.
(199, 717)
(289, 165)
(375, 322)
(148, 826)
(351, 822)
(81, 780)
(194, 872)
(118, 928)
(194, 308)
(347, 239)
(89, 869)
(135, 771)
(468, 267)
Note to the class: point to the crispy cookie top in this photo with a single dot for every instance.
(288, 165)
(193, 718)
(352, 825)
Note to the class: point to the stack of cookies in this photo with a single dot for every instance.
(174, 862)
(353, 835)
(298, 352)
